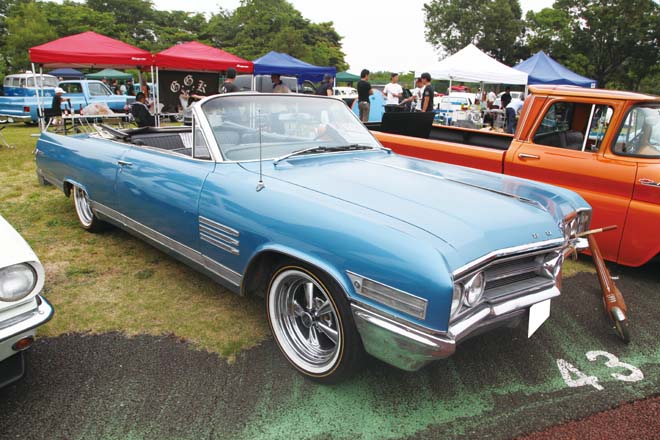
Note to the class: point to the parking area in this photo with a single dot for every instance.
(499, 385)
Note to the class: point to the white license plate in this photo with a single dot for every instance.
(538, 313)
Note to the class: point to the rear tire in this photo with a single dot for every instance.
(312, 323)
(86, 217)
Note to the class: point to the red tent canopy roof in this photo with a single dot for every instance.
(197, 56)
(89, 49)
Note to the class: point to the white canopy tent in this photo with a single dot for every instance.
(472, 65)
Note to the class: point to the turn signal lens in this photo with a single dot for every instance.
(456, 298)
(22, 344)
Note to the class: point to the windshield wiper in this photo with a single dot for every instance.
(322, 149)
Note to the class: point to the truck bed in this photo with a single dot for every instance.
(410, 135)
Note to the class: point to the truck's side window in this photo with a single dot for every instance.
(574, 126)
(96, 89)
(640, 133)
(72, 87)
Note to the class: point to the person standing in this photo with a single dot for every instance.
(325, 89)
(427, 94)
(393, 91)
(364, 91)
(228, 86)
(506, 97)
(278, 85)
(57, 106)
(512, 110)
(490, 98)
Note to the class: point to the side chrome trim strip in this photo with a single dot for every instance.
(218, 235)
(226, 229)
(196, 257)
(222, 245)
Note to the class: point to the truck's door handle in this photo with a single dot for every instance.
(649, 182)
(123, 163)
(528, 156)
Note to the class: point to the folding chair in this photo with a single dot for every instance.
(3, 140)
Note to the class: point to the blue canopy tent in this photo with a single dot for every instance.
(544, 70)
(67, 73)
(283, 64)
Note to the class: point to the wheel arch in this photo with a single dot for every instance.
(264, 260)
(68, 184)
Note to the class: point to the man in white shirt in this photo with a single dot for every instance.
(490, 98)
(512, 112)
(393, 91)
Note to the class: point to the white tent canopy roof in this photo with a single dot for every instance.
(472, 65)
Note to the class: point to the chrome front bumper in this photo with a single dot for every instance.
(410, 347)
(23, 325)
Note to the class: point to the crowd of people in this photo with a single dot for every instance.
(421, 98)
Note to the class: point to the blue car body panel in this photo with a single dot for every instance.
(405, 222)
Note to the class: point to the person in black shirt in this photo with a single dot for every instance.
(141, 112)
(428, 93)
(325, 89)
(364, 91)
(506, 97)
(228, 86)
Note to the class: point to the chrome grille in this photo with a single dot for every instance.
(517, 275)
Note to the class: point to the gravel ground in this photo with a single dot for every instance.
(498, 386)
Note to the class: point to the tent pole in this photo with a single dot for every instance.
(37, 89)
(449, 91)
(156, 91)
(153, 79)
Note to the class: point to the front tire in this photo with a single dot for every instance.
(312, 324)
(86, 217)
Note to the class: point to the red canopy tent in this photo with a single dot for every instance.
(199, 57)
(89, 49)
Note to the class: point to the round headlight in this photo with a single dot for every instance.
(456, 298)
(16, 282)
(474, 289)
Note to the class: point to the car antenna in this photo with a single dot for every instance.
(260, 184)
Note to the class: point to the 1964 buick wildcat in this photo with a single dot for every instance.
(353, 247)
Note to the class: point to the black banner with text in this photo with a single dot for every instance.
(179, 89)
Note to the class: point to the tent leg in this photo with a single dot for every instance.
(156, 117)
(38, 89)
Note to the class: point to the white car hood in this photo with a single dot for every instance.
(14, 248)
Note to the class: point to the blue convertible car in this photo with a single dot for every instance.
(355, 249)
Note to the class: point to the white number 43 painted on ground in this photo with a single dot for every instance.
(576, 378)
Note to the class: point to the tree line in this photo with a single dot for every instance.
(254, 28)
(615, 42)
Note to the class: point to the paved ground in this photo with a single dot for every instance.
(499, 385)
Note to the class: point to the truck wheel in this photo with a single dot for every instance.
(312, 324)
(86, 216)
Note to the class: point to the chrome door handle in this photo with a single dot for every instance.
(649, 182)
(528, 156)
(123, 163)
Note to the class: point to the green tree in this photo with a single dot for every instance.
(259, 26)
(616, 42)
(495, 26)
(27, 26)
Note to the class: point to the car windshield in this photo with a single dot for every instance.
(282, 124)
(640, 132)
(44, 81)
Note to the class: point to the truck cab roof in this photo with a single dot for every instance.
(575, 91)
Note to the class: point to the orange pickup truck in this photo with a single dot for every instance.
(603, 144)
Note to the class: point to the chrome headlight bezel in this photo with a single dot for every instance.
(468, 292)
(22, 274)
(575, 223)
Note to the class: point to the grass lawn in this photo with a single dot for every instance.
(113, 282)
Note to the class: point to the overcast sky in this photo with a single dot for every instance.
(378, 35)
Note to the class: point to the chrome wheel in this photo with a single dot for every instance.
(83, 208)
(305, 321)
